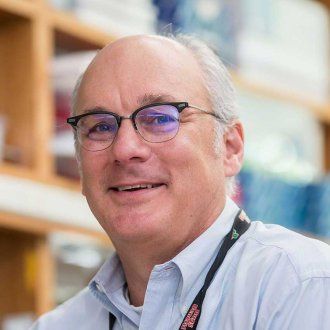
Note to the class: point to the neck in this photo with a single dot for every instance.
(138, 263)
(138, 258)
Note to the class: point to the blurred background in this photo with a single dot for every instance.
(278, 52)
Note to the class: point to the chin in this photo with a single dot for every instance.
(135, 227)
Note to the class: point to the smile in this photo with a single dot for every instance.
(136, 187)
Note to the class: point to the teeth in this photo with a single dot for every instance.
(139, 186)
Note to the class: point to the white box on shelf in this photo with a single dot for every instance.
(285, 44)
(67, 68)
(47, 202)
(118, 17)
(274, 139)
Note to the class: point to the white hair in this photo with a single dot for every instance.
(219, 86)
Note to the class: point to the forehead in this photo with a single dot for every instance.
(127, 70)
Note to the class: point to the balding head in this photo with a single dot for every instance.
(135, 61)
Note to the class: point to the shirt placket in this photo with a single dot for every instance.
(160, 298)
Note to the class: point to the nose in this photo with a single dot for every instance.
(128, 145)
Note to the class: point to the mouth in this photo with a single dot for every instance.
(136, 187)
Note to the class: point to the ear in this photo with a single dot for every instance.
(234, 149)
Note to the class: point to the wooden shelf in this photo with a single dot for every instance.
(29, 174)
(71, 34)
(320, 110)
(41, 227)
(26, 273)
(325, 2)
(18, 8)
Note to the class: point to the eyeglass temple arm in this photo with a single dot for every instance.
(207, 112)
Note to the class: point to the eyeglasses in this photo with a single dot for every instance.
(157, 122)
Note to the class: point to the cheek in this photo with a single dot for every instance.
(92, 168)
(193, 160)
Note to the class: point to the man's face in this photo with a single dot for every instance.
(188, 177)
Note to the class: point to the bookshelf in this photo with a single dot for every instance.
(30, 34)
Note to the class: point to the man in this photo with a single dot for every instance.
(158, 140)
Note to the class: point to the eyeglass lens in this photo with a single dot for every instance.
(157, 123)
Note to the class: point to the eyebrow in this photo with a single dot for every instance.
(154, 98)
(96, 109)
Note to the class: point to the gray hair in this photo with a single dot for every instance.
(74, 95)
(221, 92)
(218, 83)
(217, 80)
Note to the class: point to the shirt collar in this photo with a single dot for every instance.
(193, 262)
(196, 259)
(111, 275)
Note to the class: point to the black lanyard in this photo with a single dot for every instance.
(190, 321)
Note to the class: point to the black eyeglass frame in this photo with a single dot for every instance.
(180, 106)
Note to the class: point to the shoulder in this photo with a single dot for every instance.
(288, 276)
(75, 312)
(305, 257)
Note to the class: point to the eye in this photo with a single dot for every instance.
(156, 119)
(102, 131)
(163, 119)
(103, 127)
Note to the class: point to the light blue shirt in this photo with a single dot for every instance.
(271, 279)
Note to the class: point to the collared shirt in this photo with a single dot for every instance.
(271, 279)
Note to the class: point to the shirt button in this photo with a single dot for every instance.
(99, 288)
